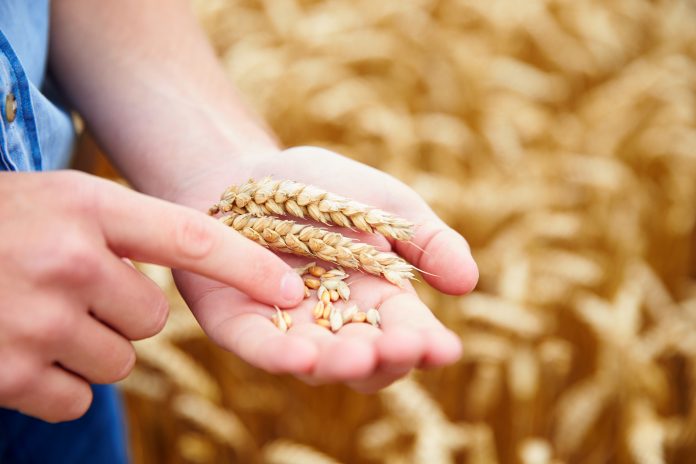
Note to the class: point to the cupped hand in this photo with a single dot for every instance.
(360, 355)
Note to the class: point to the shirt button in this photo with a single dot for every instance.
(10, 107)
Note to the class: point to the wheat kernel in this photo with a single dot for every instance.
(349, 313)
(325, 296)
(287, 318)
(330, 284)
(279, 320)
(343, 291)
(324, 323)
(316, 271)
(336, 320)
(312, 283)
(318, 310)
(333, 295)
(337, 273)
(303, 270)
(359, 317)
(328, 307)
(372, 316)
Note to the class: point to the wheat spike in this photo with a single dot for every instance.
(284, 197)
(315, 242)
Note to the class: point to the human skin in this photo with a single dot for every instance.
(70, 304)
(152, 92)
(360, 355)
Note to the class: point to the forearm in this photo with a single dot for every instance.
(147, 82)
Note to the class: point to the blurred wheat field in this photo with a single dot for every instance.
(560, 139)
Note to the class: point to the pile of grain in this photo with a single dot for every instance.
(560, 139)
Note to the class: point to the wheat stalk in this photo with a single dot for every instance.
(315, 242)
(284, 197)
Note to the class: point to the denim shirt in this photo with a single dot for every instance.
(41, 135)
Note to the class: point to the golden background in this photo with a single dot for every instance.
(559, 137)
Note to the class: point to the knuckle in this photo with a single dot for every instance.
(194, 236)
(71, 259)
(54, 326)
(83, 186)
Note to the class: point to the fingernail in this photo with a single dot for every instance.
(291, 286)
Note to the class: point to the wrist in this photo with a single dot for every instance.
(186, 162)
(201, 186)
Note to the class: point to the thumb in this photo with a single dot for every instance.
(444, 256)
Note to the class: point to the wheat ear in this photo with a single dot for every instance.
(284, 197)
(315, 242)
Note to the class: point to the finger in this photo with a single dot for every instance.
(55, 396)
(340, 359)
(152, 230)
(96, 353)
(127, 300)
(397, 348)
(443, 255)
(405, 311)
(377, 381)
(444, 348)
(255, 339)
(398, 351)
(249, 334)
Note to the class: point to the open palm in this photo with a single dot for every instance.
(364, 357)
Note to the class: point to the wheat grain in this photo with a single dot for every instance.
(270, 197)
(318, 310)
(343, 291)
(287, 318)
(328, 308)
(324, 295)
(359, 317)
(302, 270)
(316, 271)
(337, 273)
(307, 240)
(336, 320)
(372, 316)
(330, 284)
(334, 295)
(349, 313)
(282, 320)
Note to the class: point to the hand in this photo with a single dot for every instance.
(364, 357)
(69, 303)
